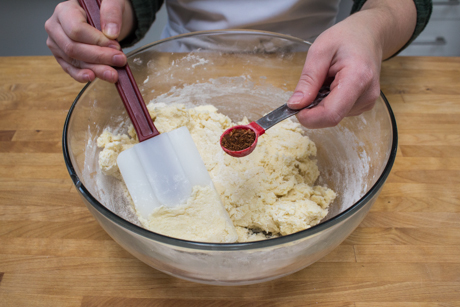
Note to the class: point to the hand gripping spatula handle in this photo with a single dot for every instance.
(161, 169)
(126, 85)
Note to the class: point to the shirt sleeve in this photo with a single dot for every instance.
(145, 12)
(424, 8)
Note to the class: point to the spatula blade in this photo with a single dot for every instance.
(189, 157)
(137, 183)
(163, 170)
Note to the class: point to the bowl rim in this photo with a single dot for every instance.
(217, 32)
(226, 246)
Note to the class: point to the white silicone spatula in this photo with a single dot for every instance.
(163, 168)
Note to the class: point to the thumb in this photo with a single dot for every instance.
(112, 17)
(313, 75)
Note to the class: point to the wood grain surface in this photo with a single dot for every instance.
(405, 253)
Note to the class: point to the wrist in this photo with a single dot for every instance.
(391, 22)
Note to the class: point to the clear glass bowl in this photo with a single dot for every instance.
(354, 158)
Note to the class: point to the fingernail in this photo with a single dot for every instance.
(108, 76)
(295, 98)
(111, 30)
(118, 60)
(86, 77)
(113, 46)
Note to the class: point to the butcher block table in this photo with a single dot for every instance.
(406, 252)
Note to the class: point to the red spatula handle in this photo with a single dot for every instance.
(126, 85)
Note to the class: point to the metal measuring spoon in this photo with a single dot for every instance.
(260, 126)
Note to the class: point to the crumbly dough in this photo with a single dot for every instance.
(112, 146)
(268, 193)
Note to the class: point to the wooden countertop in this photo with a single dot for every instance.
(405, 253)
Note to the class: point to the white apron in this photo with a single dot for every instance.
(304, 19)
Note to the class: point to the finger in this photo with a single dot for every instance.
(103, 72)
(361, 111)
(81, 75)
(312, 77)
(345, 91)
(81, 71)
(52, 46)
(75, 26)
(366, 102)
(111, 17)
(85, 72)
(88, 53)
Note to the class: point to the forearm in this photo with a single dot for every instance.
(393, 23)
(423, 8)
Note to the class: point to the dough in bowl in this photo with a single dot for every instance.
(266, 194)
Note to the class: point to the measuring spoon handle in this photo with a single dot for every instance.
(284, 111)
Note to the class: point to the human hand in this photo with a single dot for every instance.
(83, 51)
(349, 55)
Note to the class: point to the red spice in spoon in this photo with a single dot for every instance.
(238, 139)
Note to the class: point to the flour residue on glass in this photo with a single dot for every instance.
(243, 99)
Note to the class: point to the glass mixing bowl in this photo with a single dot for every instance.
(243, 73)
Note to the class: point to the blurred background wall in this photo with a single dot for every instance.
(22, 28)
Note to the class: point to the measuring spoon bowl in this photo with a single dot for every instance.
(260, 126)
